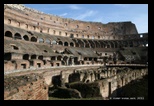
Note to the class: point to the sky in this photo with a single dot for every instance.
(104, 13)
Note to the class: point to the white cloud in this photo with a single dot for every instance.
(86, 14)
(64, 14)
(74, 7)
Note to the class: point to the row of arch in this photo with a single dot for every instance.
(95, 36)
(81, 42)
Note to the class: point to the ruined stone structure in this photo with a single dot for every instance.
(28, 87)
(56, 46)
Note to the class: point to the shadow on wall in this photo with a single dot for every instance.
(135, 89)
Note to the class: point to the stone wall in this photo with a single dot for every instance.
(27, 87)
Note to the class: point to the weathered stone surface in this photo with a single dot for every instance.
(61, 92)
(68, 51)
(25, 87)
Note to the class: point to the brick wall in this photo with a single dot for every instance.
(28, 87)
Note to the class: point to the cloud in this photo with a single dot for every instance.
(64, 14)
(74, 7)
(86, 14)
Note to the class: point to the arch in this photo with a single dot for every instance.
(65, 58)
(40, 57)
(120, 44)
(72, 44)
(97, 44)
(53, 42)
(76, 42)
(102, 44)
(115, 44)
(47, 41)
(33, 39)
(59, 58)
(111, 44)
(33, 56)
(86, 43)
(92, 44)
(85, 58)
(26, 57)
(65, 43)
(8, 34)
(26, 37)
(125, 43)
(60, 43)
(41, 40)
(53, 58)
(81, 43)
(17, 36)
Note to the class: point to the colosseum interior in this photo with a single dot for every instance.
(63, 50)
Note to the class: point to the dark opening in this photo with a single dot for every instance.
(26, 57)
(63, 63)
(14, 47)
(31, 63)
(57, 64)
(7, 56)
(71, 44)
(17, 36)
(38, 65)
(52, 64)
(33, 39)
(109, 89)
(71, 36)
(8, 34)
(33, 57)
(85, 58)
(23, 66)
(60, 43)
(26, 37)
(40, 57)
(65, 44)
(90, 59)
(95, 59)
(53, 58)
(45, 51)
(59, 58)
(44, 61)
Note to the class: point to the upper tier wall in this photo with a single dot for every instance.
(40, 22)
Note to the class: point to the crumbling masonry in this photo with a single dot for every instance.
(52, 45)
